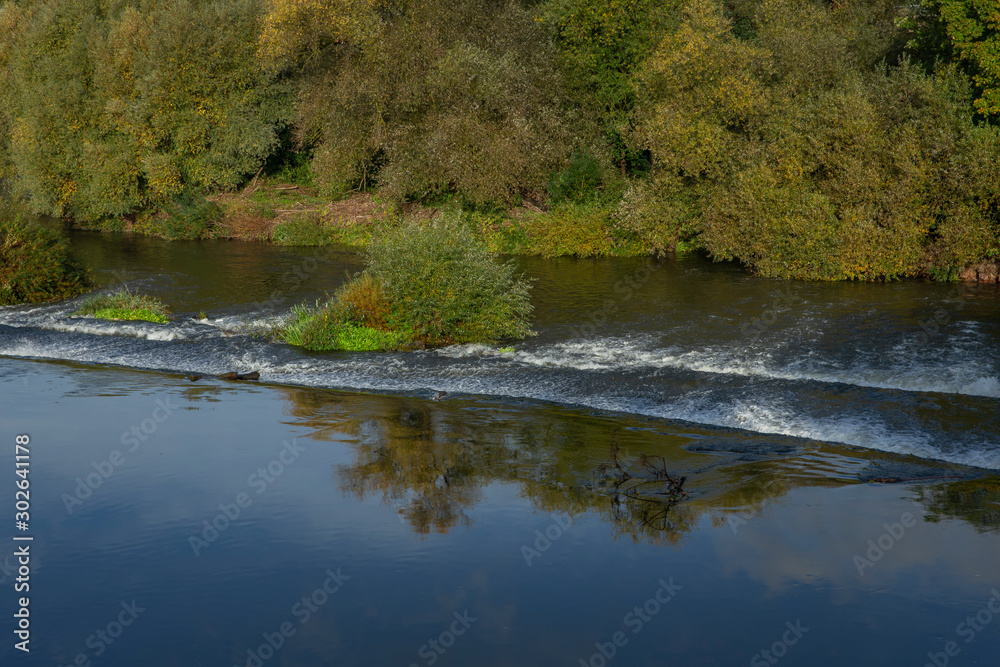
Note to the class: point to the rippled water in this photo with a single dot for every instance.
(332, 514)
(902, 367)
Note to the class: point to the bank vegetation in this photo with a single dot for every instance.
(803, 138)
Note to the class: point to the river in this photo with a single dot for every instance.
(838, 445)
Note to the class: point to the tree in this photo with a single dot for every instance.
(449, 98)
(965, 31)
(797, 155)
(600, 46)
(112, 107)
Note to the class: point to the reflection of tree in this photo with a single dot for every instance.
(643, 495)
(413, 463)
(432, 460)
(748, 488)
(975, 501)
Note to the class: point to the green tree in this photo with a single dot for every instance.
(448, 98)
(802, 155)
(601, 44)
(113, 106)
(966, 31)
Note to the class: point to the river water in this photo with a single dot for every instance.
(530, 516)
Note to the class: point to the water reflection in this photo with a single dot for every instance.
(756, 542)
(432, 462)
(976, 502)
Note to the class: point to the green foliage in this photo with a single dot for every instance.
(296, 32)
(323, 334)
(112, 108)
(601, 44)
(581, 178)
(354, 320)
(35, 262)
(304, 229)
(143, 314)
(445, 286)
(589, 230)
(791, 135)
(450, 97)
(188, 217)
(429, 285)
(797, 156)
(124, 305)
(963, 31)
(288, 162)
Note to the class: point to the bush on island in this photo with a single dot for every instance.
(431, 285)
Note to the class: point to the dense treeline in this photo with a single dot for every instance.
(113, 106)
(805, 138)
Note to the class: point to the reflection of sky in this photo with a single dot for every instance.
(129, 541)
(811, 537)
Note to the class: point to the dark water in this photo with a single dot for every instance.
(527, 517)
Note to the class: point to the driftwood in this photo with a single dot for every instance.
(232, 375)
(252, 186)
(652, 472)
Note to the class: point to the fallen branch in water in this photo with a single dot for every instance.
(655, 473)
(232, 375)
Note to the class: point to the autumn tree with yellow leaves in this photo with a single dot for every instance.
(801, 153)
(114, 107)
(424, 98)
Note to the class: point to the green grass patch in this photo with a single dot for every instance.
(325, 328)
(144, 314)
(304, 229)
(124, 305)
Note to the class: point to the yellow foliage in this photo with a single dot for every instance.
(292, 27)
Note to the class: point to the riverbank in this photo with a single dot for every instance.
(293, 214)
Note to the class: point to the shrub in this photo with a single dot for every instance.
(445, 286)
(35, 262)
(124, 305)
(304, 229)
(364, 302)
(187, 218)
(244, 219)
(582, 230)
(433, 285)
(579, 180)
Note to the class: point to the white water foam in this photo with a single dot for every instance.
(850, 430)
(484, 370)
(131, 328)
(964, 377)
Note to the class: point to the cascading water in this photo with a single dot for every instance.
(911, 368)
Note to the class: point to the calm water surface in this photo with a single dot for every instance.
(334, 515)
